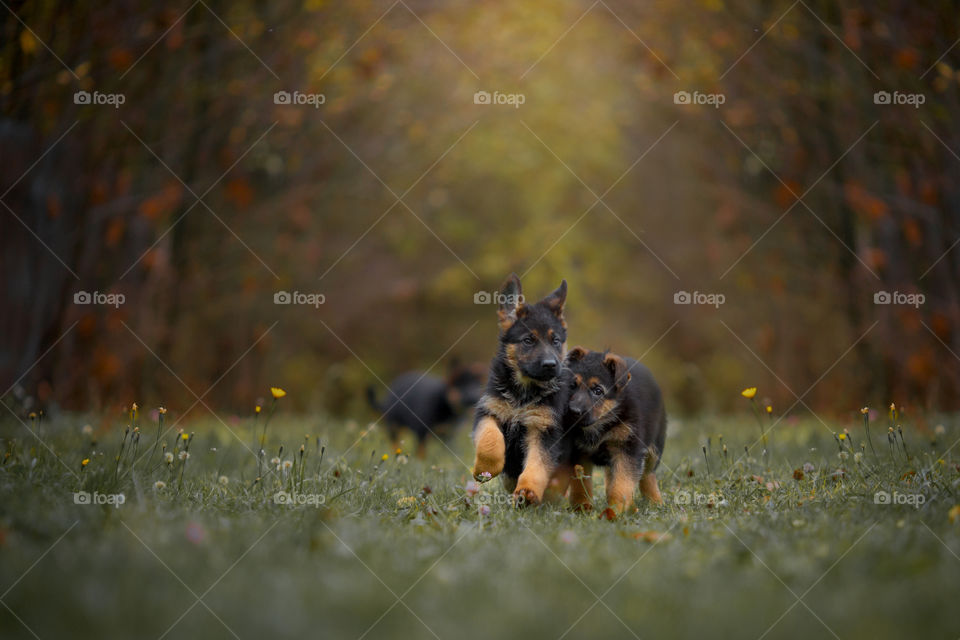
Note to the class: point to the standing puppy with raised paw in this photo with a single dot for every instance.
(517, 428)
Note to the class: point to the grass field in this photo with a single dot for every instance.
(789, 544)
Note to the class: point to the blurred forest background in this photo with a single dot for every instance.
(598, 177)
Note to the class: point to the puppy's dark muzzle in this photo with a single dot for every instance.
(545, 370)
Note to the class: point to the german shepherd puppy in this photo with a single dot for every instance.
(427, 404)
(517, 423)
(615, 418)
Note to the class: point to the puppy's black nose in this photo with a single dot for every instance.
(549, 365)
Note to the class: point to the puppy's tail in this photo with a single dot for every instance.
(372, 398)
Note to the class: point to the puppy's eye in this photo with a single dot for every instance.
(557, 341)
(597, 391)
(528, 341)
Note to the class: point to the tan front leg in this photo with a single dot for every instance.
(648, 482)
(581, 487)
(490, 449)
(537, 469)
(621, 484)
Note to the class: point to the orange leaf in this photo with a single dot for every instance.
(239, 192)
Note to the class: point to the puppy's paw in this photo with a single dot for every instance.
(525, 497)
(608, 514)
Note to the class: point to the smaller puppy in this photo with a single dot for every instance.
(427, 404)
(615, 418)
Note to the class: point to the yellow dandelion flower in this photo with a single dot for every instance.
(84, 462)
(842, 436)
(33, 415)
(769, 408)
(184, 436)
(277, 392)
(162, 410)
(385, 457)
(398, 451)
(256, 409)
(865, 410)
(954, 513)
(749, 392)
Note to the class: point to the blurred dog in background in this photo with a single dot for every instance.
(428, 405)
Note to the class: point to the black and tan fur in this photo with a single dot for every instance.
(615, 418)
(517, 428)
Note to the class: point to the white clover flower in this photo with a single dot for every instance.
(224, 480)
(168, 457)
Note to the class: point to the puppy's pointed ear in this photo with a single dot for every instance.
(511, 296)
(576, 354)
(618, 369)
(556, 299)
